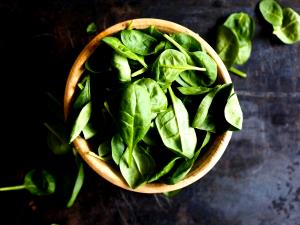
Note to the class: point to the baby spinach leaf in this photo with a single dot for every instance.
(242, 24)
(289, 31)
(244, 52)
(159, 101)
(233, 113)
(37, 182)
(85, 95)
(121, 49)
(81, 121)
(227, 45)
(184, 168)
(203, 108)
(271, 11)
(77, 186)
(89, 130)
(105, 150)
(140, 169)
(165, 170)
(194, 90)
(188, 42)
(134, 115)
(117, 148)
(138, 42)
(154, 32)
(120, 63)
(169, 65)
(91, 28)
(209, 76)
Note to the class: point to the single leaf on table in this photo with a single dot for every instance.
(272, 12)
(159, 101)
(81, 121)
(227, 45)
(117, 148)
(91, 28)
(77, 186)
(140, 169)
(138, 42)
(289, 31)
(134, 115)
(121, 49)
(120, 63)
(242, 24)
(37, 182)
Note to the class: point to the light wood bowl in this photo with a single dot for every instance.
(201, 167)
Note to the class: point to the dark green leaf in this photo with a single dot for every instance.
(39, 182)
(105, 150)
(117, 148)
(91, 28)
(271, 11)
(77, 186)
(233, 112)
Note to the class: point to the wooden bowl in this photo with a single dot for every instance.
(201, 167)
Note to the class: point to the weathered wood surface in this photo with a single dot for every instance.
(257, 181)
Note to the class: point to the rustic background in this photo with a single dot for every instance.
(257, 181)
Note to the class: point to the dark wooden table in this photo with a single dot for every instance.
(257, 181)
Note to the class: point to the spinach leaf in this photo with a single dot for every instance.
(209, 76)
(140, 169)
(159, 101)
(121, 49)
(289, 31)
(203, 108)
(134, 115)
(271, 11)
(105, 150)
(244, 52)
(233, 113)
(154, 32)
(242, 24)
(117, 148)
(169, 65)
(184, 168)
(194, 90)
(227, 45)
(85, 95)
(89, 131)
(37, 182)
(165, 170)
(77, 186)
(188, 42)
(91, 28)
(174, 129)
(81, 121)
(138, 42)
(120, 63)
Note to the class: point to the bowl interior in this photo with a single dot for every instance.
(201, 167)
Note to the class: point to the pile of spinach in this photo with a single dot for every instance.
(149, 103)
(285, 21)
(234, 41)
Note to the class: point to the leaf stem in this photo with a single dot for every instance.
(238, 72)
(180, 48)
(186, 67)
(138, 72)
(13, 188)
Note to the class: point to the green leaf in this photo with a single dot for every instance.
(121, 49)
(233, 113)
(289, 31)
(91, 28)
(139, 170)
(194, 90)
(138, 42)
(84, 96)
(134, 115)
(244, 53)
(117, 148)
(271, 11)
(105, 150)
(159, 101)
(188, 42)
(77, 186)
(227, 45)
(120, 63)
(81, 121)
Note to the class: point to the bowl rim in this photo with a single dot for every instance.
(207, 161)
